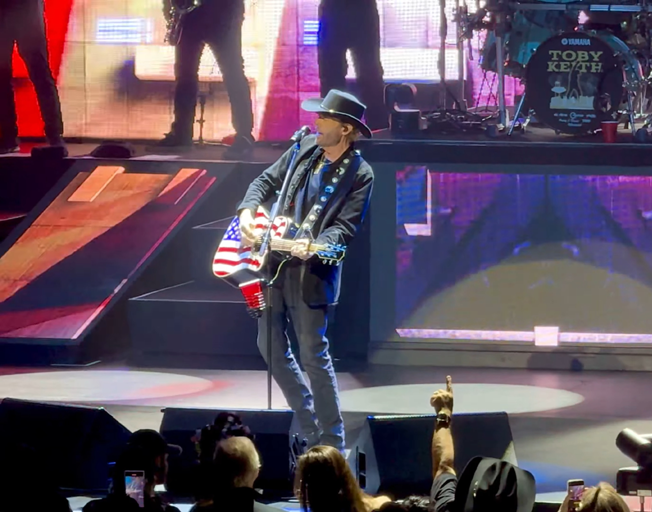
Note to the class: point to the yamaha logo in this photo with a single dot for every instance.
(575, 42)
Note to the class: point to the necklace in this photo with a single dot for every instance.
(320, 165)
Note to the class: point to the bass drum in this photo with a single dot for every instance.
(634, 78)
(575, 80)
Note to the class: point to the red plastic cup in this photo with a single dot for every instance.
(609, 131)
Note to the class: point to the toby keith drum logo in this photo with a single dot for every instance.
(570, 61)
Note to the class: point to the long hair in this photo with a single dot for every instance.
(325, 483)
(603, 498)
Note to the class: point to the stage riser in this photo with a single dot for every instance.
(204, 242)
(84, 247)
(374, 256)
(195, 324)
(474, 356)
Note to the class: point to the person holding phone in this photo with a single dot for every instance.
(135, 486)
(601, 498)
(141, 467)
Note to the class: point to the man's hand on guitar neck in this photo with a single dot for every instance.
(247, 228)
(301, 249)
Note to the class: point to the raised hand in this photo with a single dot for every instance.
(442, 400)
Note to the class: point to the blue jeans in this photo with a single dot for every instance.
(318, 410)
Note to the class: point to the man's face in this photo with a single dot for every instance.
(330, 131)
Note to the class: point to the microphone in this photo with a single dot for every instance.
(300, 134)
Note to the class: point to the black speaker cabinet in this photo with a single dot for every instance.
(80, 442)
(393, 453)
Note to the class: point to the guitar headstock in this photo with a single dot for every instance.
(331, 254)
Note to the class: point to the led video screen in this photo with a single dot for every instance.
(492, 256)
(116, 74)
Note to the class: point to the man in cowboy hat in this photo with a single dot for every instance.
(328, 196)
(485, 485)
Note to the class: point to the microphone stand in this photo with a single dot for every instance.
(265, 250)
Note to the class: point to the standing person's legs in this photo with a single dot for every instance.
(186, 68)
(33, 48)
(8, 126)
(310, 326)
(226, 43)
(365, 50)
(333, 43)
(285, 370)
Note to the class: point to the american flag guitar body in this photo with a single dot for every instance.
(241, 266)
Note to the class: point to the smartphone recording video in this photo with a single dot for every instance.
(575, 490)
(135, 486)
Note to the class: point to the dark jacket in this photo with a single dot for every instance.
(337, 224)
(122, 503)
(237, 500)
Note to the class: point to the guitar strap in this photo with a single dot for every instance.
(343, 178)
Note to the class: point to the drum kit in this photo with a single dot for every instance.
(581, 63)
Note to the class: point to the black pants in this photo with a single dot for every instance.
(353, 25)
(222, 31)
(22, 22)
(317, 407)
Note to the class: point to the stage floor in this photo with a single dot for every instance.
(270, 151)
(564, 424)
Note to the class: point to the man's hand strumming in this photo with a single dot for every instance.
(247, 227)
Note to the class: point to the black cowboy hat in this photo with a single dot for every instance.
(340, 104)
(152, 443)
(488, 484)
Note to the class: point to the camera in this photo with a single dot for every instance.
(636, 480)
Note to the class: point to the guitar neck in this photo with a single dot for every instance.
(283, 245)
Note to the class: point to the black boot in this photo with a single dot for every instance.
(242, 147)
(174, 140)
(9, 146)
(58, 142)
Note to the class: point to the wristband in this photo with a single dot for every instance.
(443, 419)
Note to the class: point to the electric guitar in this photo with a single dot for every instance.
(179, 9)
(242, 266)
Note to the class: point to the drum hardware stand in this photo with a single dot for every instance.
(630, 111)
(443, 32)
(500, 30)
(630, 103)
(516, 114)
(460, 56)
(458, 118)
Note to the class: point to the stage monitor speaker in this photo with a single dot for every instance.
(393, 453)
(80, 442)
(272, 431)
